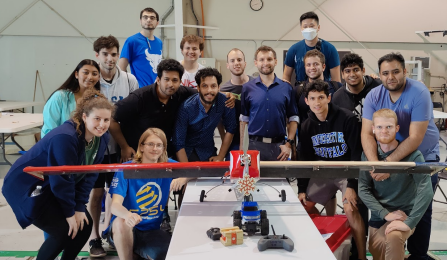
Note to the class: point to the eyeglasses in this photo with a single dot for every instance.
(152, 18)
(152, 145)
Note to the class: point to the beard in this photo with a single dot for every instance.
(202, 97)
(385, 139)
(396, 88)
(266, 71)
(150, 27)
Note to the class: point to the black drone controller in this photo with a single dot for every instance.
(275, 241)
(214, 233)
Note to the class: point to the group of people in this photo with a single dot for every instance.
(170, 109)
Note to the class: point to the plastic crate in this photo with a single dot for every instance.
(337, 225)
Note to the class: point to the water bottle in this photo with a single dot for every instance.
(37, 191)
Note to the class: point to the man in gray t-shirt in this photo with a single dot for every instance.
(236, 64)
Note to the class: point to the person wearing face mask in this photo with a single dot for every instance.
(294, 60)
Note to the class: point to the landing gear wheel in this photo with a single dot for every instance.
(237, 214)
(237, 223)
(202, 195)
(283, 195)
(263, 214)
(265, 227)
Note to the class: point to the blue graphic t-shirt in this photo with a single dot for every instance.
(146, 197)
(143, 55)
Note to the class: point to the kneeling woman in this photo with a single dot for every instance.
(138, 205)
(58, 207)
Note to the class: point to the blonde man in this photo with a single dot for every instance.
(397, 203)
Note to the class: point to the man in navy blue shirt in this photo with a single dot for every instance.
(267, 103)
(295, 55)
(197, 118)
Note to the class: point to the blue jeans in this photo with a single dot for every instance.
(419, 242)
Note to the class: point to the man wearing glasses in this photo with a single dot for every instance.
(143, 50)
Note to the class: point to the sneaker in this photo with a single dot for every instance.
(166, 225)
(96, 249)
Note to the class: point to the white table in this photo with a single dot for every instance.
(189, 240)
(16, 122)
(440, 115)
(10, 105)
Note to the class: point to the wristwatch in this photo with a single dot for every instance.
(291, 141)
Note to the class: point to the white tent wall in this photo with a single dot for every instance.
(54, 41)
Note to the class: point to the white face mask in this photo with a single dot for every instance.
(309, 33)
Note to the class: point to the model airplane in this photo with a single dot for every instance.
(244, 164)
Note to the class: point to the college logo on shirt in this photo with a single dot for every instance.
(148, 196)
(154, 60)
(329, 138)
(114, 183)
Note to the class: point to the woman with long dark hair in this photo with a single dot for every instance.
(56, 204)
(62, 101)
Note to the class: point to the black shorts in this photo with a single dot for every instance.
(106, 177)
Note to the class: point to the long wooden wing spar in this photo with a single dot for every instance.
(277, 169)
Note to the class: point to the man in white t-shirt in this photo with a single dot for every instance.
(115, 85)
(191, 47)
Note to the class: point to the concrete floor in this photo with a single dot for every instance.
(13, 238)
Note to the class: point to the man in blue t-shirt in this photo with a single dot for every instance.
(143, 50)
(411, 101)
(295, 55)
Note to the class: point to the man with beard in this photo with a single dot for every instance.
(412, 103)
(267, 103)
(236, 65)
(151, 106)
(115, 85)
(197, 119)
(398, 203)
(143, 50)
(310, 27)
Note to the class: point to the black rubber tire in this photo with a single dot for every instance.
(237, 214)
(265, 227)
(237, 223)
(263, 214)
(202, 195)
(283, 195)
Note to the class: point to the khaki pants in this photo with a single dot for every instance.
(387, 247)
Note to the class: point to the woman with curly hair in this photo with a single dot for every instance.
(56, 203)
